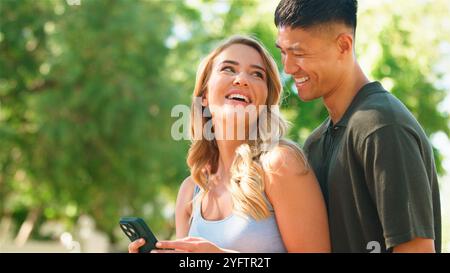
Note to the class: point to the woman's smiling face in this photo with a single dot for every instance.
(238, 80)
(238, 77)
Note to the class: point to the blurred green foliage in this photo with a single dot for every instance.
(86, 93)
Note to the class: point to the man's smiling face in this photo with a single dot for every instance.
(311, 58)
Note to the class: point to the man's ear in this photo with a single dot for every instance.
(344, 43)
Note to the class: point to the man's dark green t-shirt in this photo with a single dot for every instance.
(377, 173)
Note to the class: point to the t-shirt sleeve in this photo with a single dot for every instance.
(398, 182)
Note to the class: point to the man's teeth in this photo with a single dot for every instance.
(301, 80)
(239, 97)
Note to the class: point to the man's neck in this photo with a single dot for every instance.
(339, 99)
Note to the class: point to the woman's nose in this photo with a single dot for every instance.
(240, 80)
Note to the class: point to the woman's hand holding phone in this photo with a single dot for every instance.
(189, 244)
(134, 246)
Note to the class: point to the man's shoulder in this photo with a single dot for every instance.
(377, 111)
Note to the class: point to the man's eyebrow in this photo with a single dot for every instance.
(237, 63)
(293, 47)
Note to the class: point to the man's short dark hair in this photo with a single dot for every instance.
(310, 13)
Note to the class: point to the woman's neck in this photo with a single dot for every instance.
(227, 149)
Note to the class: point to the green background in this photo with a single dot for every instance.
(87, 88)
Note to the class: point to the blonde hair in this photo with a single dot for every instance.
(251, 160)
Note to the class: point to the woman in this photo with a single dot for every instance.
(251, 194)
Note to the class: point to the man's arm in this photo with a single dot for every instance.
(417, 245)
(397, 179)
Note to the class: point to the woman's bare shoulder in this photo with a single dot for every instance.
(186, 190)
(286, 157)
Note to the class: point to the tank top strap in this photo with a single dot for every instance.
(269, 205)
(195, 203)
(196, 190)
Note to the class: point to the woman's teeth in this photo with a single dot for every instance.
(239, 97)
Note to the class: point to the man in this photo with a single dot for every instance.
(373, 160)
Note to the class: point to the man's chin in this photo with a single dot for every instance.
(304, 98)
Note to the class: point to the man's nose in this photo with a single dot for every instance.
(290, 67)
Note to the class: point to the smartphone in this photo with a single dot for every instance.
(135, 228)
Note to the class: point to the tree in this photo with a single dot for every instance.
(86, 110)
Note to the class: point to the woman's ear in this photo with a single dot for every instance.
(204, 99)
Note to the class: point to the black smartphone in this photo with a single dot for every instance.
(135, 228)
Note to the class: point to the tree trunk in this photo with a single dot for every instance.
(27, 227)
